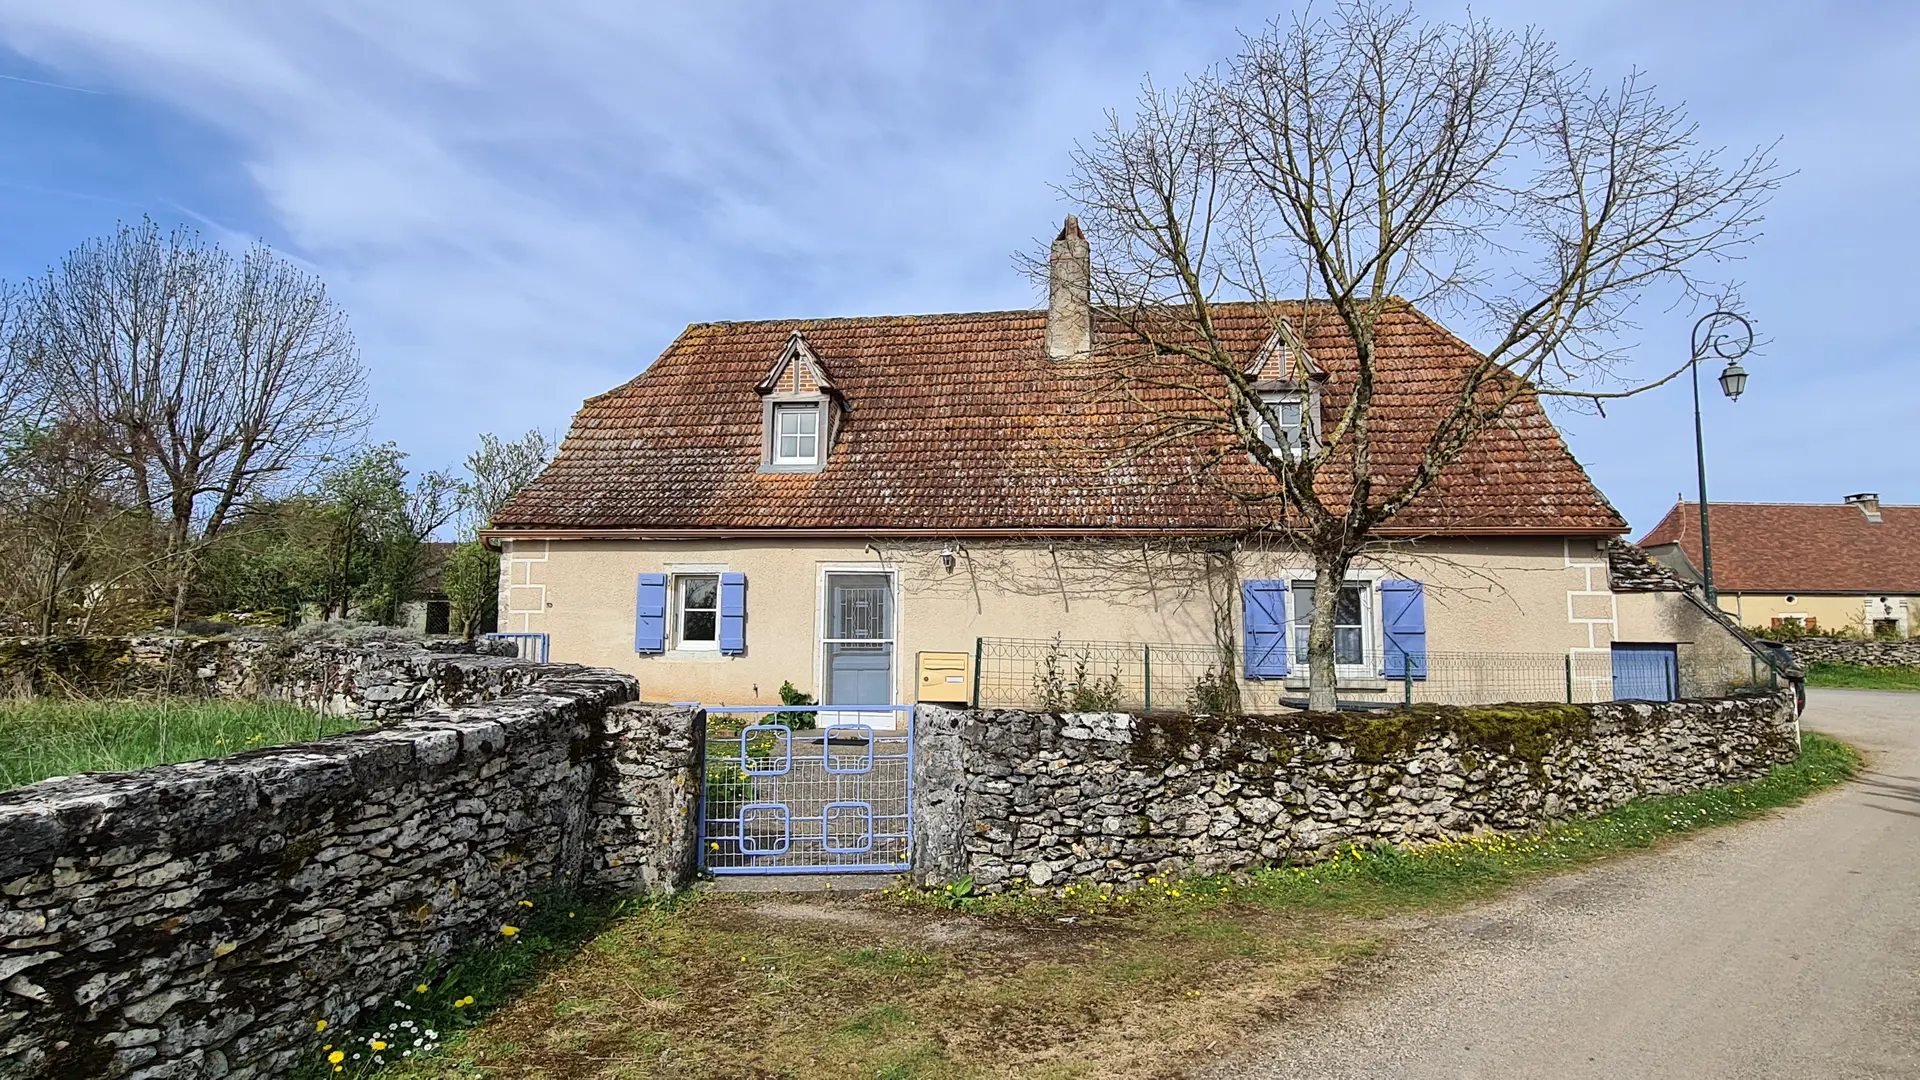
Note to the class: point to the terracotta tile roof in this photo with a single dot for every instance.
(1800, 547)
(958, 422)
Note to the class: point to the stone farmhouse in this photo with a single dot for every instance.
(854, 506)
(1853, 565)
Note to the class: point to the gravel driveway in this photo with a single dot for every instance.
(1787, 947)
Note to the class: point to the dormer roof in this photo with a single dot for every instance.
(1284, 359)
(797, 371)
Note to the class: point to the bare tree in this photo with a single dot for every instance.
(497, 471)
(65, 525)
(211, 378)
(1367, 160)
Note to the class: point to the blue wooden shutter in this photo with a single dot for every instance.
(1403, 610)
(733, 614)
(650, 614)
(1264, 615)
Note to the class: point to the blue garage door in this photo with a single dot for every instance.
(1645, 672)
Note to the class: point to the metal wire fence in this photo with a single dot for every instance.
(1135, 676)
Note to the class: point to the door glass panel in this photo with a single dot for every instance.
(859, 640)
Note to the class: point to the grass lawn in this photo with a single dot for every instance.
(914, 984)
(42, 737)
(1862, 677)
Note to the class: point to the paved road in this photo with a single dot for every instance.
(1788, 947)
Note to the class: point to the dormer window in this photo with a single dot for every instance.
(1283, 406)
(800, 411)
(796, 434)
(1288, 382)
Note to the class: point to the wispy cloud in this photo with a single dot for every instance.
(522, 204)
(52, 85)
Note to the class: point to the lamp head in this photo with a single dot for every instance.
(1733, 381)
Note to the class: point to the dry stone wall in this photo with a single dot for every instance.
(1886, 654)
(373, 680)
(1032, 799)
(196, 920)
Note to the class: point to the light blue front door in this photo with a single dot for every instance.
(858, 641)
(1645, 672)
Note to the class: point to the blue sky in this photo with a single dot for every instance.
(521, 205)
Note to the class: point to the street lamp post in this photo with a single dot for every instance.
(1728, 336)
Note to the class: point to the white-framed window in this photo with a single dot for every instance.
(696, 611)
(1352, 622)
(1287, 406)
(796, 434)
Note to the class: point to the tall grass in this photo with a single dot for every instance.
(42, 737)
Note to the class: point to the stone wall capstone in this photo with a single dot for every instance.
(196, 920)
(1869, 653)
(1044, 800)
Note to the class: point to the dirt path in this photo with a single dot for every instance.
(1789, 947)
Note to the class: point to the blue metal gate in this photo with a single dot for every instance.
(1645, 672)
(532, 646)
(807, 790)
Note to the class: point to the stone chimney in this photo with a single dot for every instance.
(1868, 502)
(1069, 294)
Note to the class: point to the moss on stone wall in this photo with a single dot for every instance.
(1526, 732)
(63, 665)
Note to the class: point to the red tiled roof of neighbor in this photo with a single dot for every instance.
(958, 424)
(1801, 547)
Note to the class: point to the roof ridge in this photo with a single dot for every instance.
(1004, 312)
(1816, 505)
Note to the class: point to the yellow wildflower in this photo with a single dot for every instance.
(421, 989)
(378, 1044)
(509, 930)
(319, 1025)
(337, 1056)
(526, 903)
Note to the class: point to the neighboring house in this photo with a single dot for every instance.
(821, 501)
(1850, 566)
(430, 612)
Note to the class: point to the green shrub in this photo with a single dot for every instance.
(795, 721)
(1080, 691)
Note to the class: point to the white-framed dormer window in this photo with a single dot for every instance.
(1286, 406)
(696, 611)
(796, 434)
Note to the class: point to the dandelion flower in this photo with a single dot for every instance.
(526, 903)
(509, 930)
(319, 1025)
(337, 1057)
(421, 989)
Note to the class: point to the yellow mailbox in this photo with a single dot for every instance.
(943, 678)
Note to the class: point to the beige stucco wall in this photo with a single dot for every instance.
(1545, 596)
(1712, 660)
(1834, 612)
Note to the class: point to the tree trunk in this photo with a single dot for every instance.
(1329, 574)
(180, 557)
